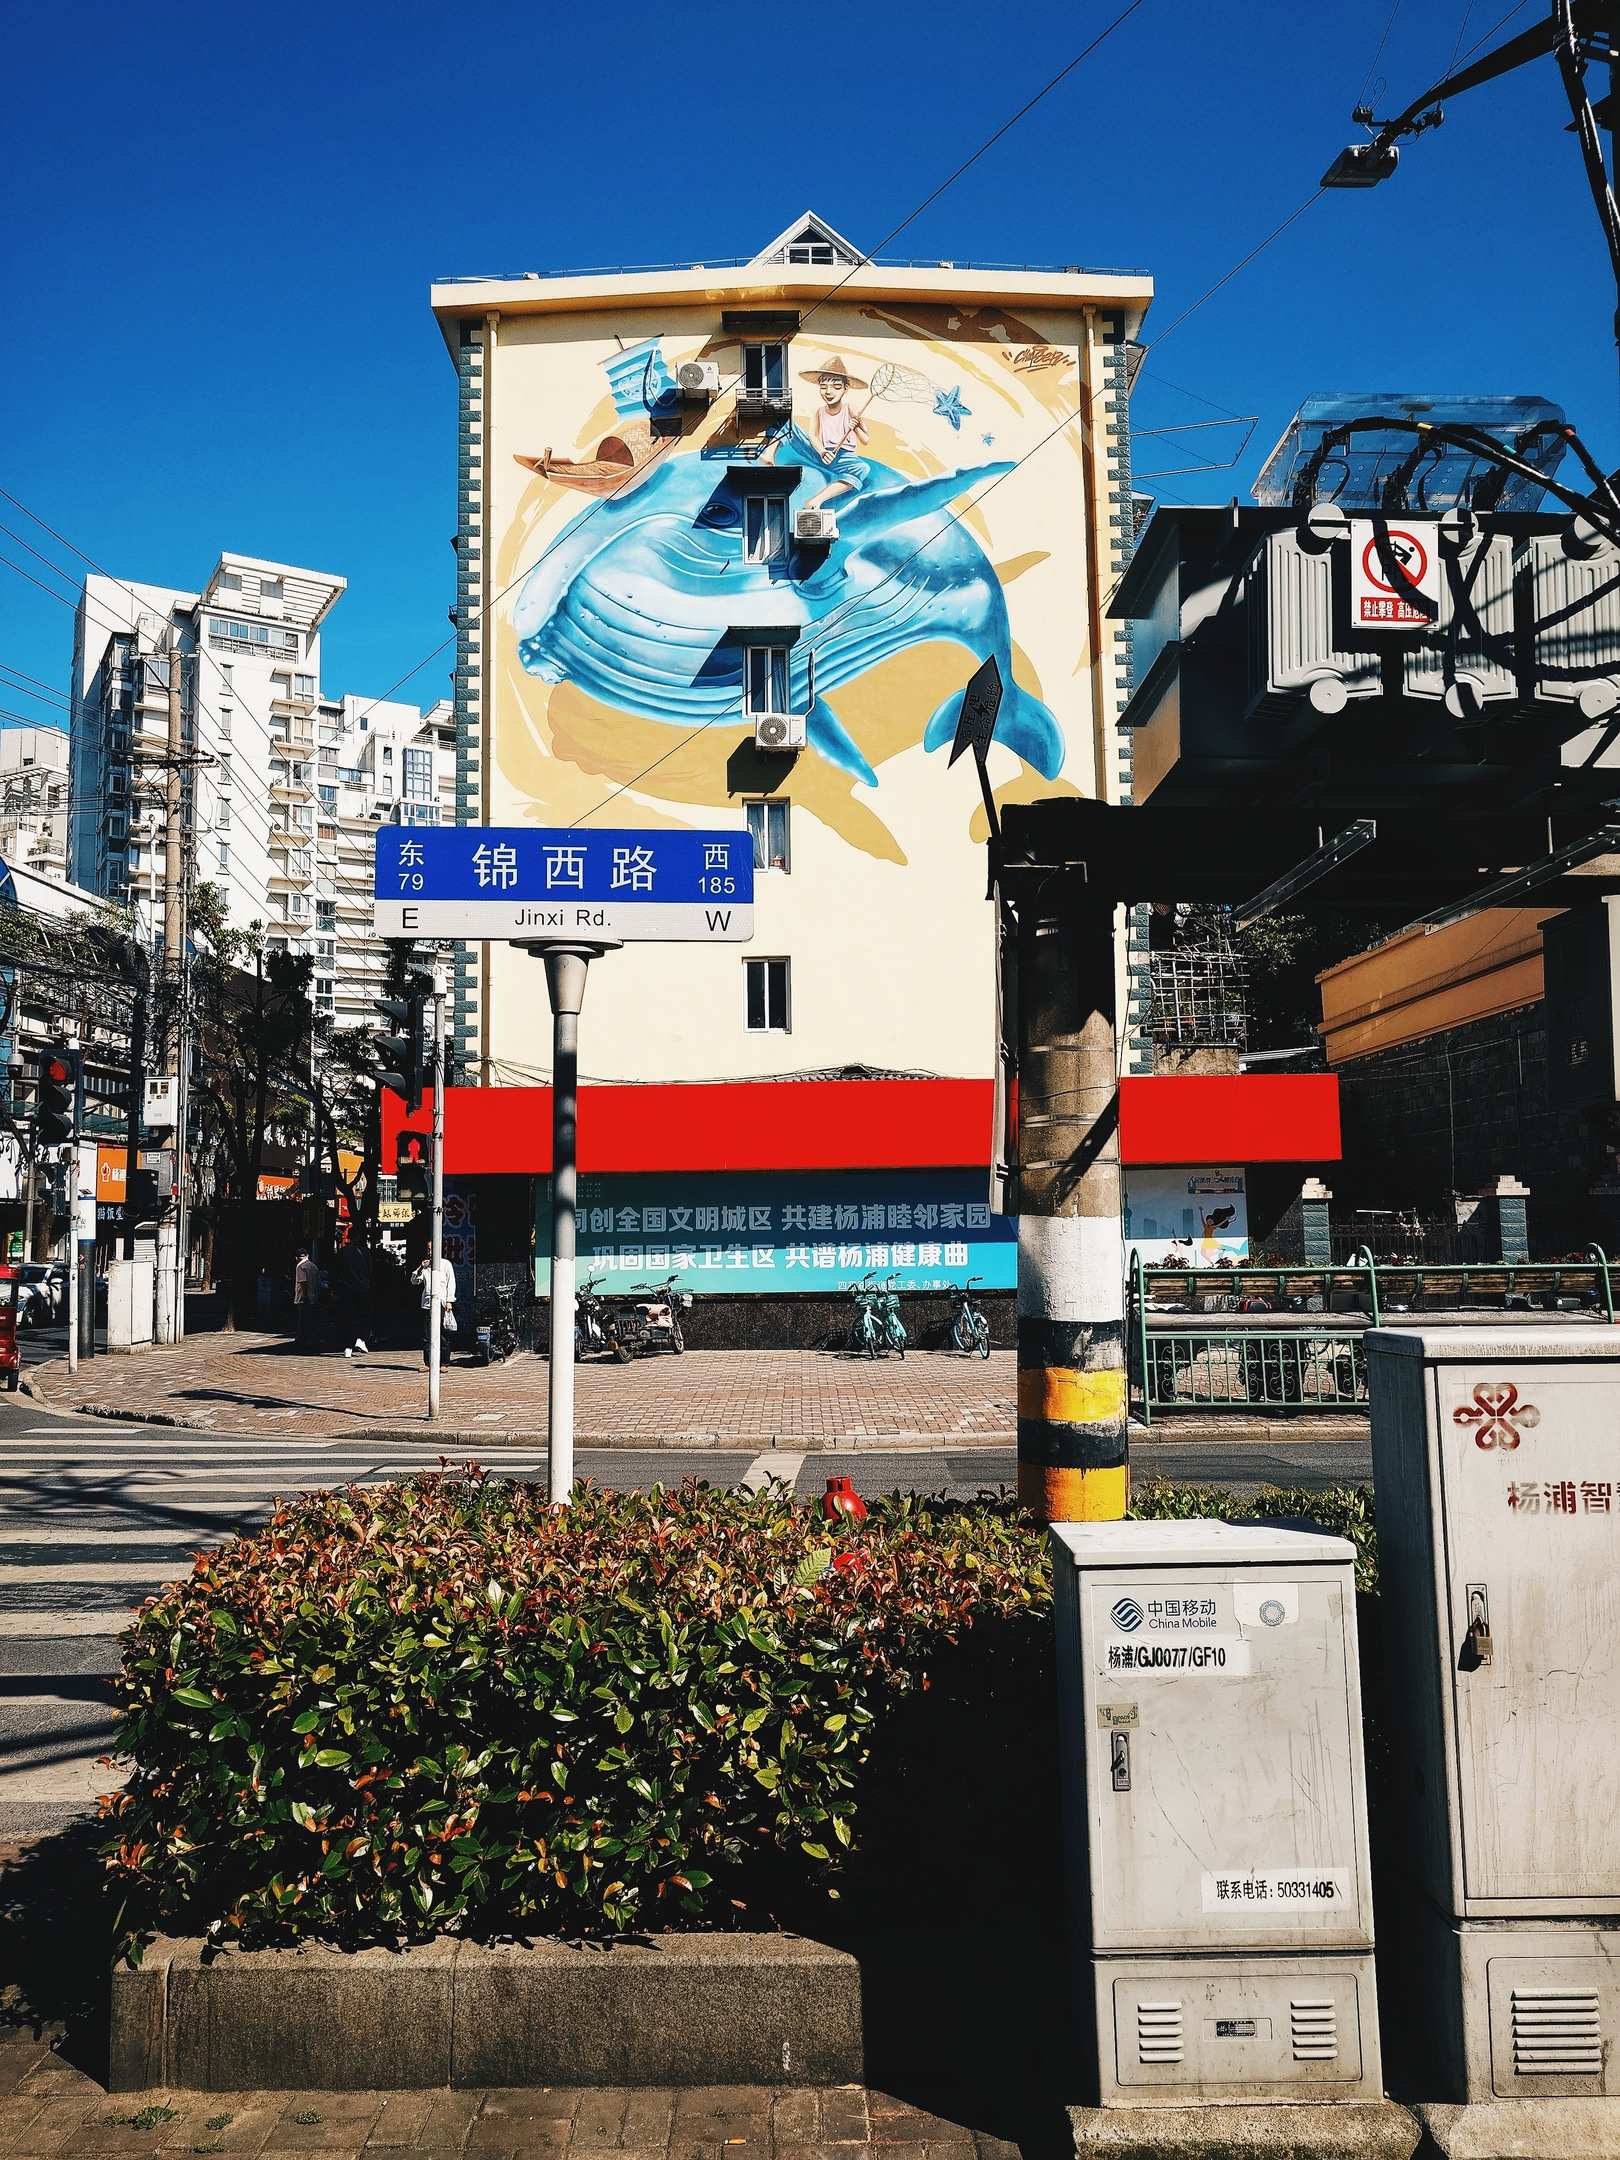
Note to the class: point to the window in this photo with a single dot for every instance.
(419, 775)
(766, 996)
(765, 679)
(388, 753)
(304, 688)
(764, 528)
(301, 817)
(324, 986)
(329, 801)
(270, 588)
(222, 814)
(281, 687)
(224, 768)
(224, 854)
(298, 905)
(768, 828)
(810, 251)
(764, 368)
(225, 723)
(325, 947)
(326, 914)
(229, 581)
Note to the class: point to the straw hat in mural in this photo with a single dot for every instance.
(832, 367)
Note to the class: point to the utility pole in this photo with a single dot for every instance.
(173, 894)
(1072, 1392)
(435, 1308)
(137, 1087)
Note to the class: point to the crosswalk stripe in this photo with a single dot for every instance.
(66, 1571)
(89, 1538)
(56, 1626)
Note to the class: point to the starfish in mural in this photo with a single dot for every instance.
(988, 440)
(948, 406)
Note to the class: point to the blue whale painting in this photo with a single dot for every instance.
(640, 601)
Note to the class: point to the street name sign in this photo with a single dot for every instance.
(666, 884)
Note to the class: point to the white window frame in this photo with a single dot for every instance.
(765, 804)
(769, 669)
(767, 510)
(756, 368)
(772, 960)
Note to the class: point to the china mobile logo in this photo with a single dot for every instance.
(1498, 1413)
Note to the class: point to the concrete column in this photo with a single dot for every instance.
(1072, 1397)
(1512, 1223)
(1315, 1223)
(168, 1239)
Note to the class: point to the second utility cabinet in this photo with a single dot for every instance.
(1497, 1455)
(1215, 1820)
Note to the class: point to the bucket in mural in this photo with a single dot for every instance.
(639, 378)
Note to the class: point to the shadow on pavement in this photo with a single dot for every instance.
(56, 1936)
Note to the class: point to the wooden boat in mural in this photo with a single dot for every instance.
(616, 464)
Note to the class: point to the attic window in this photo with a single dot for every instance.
(811, 251)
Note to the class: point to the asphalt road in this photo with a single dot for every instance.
(95, 1515)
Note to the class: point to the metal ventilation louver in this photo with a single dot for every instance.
(1556, 2033)
(1158, 2032)
(1314, 2023)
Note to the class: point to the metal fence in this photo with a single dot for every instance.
(1195, 998)
(1223, 1355)
(1212, 1368)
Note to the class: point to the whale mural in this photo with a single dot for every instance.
(643, 601)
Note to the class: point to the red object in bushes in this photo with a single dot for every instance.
(841, 1498)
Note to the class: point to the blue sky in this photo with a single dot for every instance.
(222, 228)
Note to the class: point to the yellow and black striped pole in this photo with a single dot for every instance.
(1072, 1390)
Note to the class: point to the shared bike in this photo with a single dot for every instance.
(970, 1330)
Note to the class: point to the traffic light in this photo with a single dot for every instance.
(405, 1052)
(411, 1165)
(61, 1095)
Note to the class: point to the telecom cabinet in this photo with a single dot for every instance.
(1497, 1464)
(1215, 1813)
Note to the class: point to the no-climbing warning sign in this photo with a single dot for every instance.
(1394, 571)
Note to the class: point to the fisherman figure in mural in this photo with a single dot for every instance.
(836, 435)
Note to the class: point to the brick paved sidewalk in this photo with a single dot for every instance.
(708, 1398)
(49, 2107)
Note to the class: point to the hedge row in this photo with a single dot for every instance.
(443, 1704)
(442, 1701)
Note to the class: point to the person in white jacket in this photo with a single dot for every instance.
(445, 1279)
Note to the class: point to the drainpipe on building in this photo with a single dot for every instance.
(1072, 1390)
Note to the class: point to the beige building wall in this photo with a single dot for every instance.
(995, 378)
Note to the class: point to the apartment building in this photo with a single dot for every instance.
(34, 784)
(281, 787)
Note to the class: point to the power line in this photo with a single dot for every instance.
(1275, 233)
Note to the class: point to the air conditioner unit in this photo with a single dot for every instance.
(779, 731)
(815, 525)
(697, 381)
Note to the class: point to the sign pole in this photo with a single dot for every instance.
(435, 1303)
(566, 967)
(75, 1252)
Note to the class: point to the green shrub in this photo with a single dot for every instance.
(1345, 1510)
(442, 1703)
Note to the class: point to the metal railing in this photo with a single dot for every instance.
(749, 262)
(1309, 1363)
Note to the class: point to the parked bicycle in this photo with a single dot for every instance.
(590, 1318)
(970, 1330)
(497, 1337)
(646, 1319)
(875, 1324)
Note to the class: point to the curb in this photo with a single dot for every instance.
(666, 2010)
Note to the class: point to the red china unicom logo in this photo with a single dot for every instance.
(1498, 1413)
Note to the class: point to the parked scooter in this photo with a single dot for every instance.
(497, 1336)
(648, 1318)
(590, 1318)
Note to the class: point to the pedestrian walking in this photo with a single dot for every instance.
(447, 1303)
(306, 1301)
(354, 1285)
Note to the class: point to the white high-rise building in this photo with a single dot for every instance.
(281, 787)
(34, 787)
